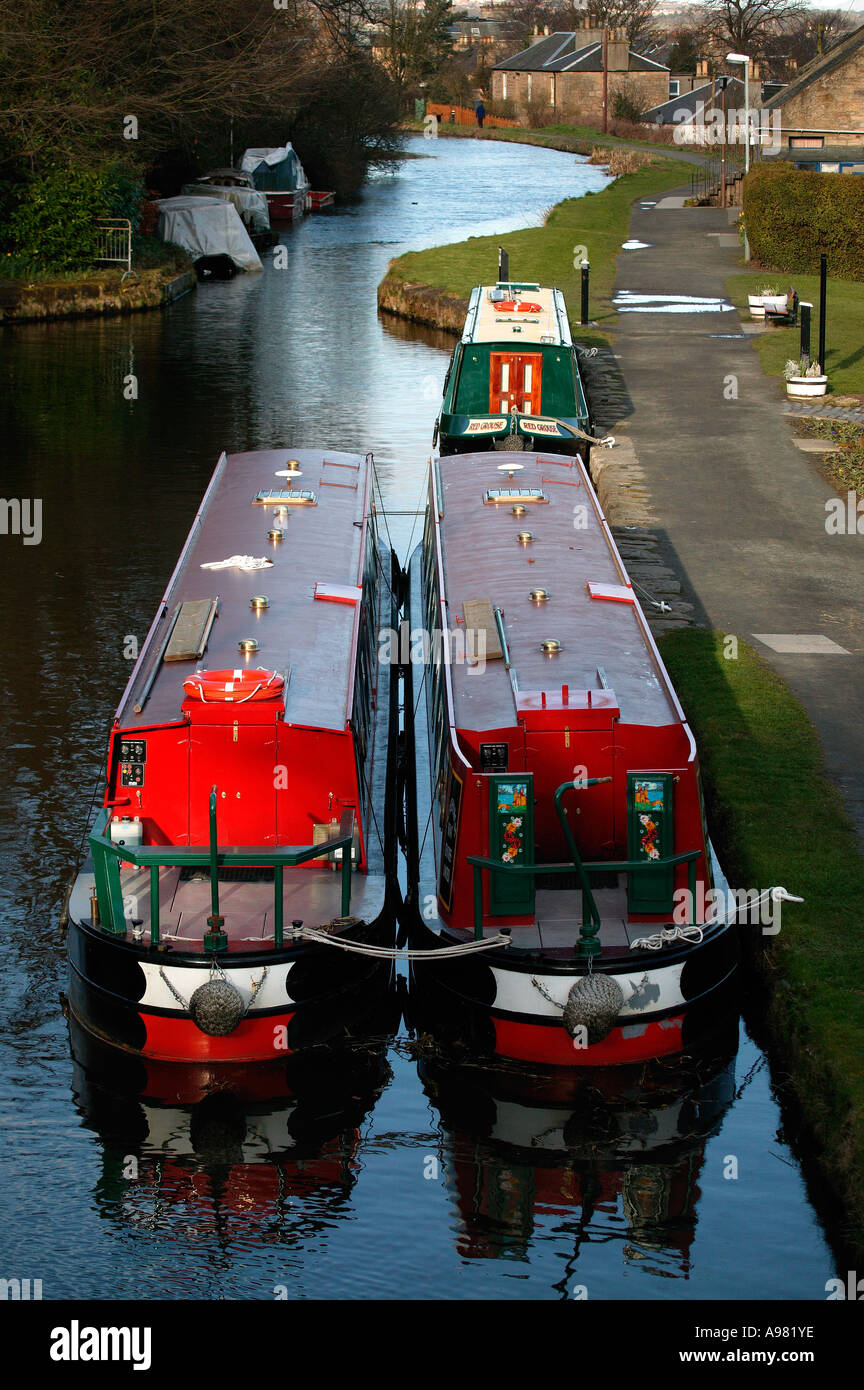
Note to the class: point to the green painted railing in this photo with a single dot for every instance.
(107, 858)
(589, 931)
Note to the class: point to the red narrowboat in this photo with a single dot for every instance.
(564, 825)
(237, 871)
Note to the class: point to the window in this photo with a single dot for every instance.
(674, 87)
(806, 142)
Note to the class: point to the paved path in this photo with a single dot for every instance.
(740, 509)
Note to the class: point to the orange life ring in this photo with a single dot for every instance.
(234, 687)
(510, 306)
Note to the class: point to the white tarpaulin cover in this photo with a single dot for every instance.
(249, 202)
(270, 156)
(207, 227)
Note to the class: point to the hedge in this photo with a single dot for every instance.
(53, 228)
(792, 215)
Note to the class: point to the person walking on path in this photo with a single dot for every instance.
(480, 113)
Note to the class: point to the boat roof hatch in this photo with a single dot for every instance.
(573, 633)
(517, 312)
(272, 569)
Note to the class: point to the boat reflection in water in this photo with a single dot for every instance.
(259, 1154)
(595, 1155)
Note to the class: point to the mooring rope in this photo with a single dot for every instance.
(695, 931)
(607, 441)
(462, 948)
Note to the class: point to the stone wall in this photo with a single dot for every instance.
(580, 91)
(832, 103)
(22, 302)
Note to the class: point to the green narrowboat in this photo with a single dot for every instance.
(514, 380)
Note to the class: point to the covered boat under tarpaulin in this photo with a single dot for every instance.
(249, 202)
(207, 227)
(275, 169)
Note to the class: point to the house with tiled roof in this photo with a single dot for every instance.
(696, 104)
(564, 71)
(823, 107)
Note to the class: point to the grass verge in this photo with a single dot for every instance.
(776, 818)
(598, 221)
(580, 139)
(843, 319)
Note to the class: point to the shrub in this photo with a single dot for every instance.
(620, 161)
(539, 113)
(503, 108)
(625, 107)
(793, 215)
(54, 224)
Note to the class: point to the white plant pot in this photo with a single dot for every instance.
(806, 386)
(757, 306)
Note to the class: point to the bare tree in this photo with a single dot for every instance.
(748, 26)
(414, 42)
(631, 18)
(134, 77)
(807, 35)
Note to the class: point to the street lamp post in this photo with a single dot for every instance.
(742, 58)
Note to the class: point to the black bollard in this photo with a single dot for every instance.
(503, 266)
(823, 295)
(586, 269)
(804, 309)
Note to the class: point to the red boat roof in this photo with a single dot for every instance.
(607, 661)
(313, 585)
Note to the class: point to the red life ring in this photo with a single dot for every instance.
(510, 306)
(234, 687)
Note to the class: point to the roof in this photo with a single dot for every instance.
(311, 636)
(564, 52)
(818, 67)
(707, 95)
(486, 322)
(484, 561)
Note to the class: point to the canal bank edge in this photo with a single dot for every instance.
(99, 294)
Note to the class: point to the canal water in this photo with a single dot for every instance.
(388, 1175)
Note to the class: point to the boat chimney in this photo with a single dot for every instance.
(565, 694)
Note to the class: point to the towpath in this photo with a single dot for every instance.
(740, 510)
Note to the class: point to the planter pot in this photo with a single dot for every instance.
(757, 306)
(806, 386)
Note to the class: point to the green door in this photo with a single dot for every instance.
(511, 841)
(650, 836)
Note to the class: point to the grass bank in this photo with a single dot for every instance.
(776, 818)
(578, 139)
(598, 221)
(844, 318)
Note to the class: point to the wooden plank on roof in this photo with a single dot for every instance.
(480, 616)
(191, 630)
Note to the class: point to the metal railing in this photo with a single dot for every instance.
(107, 858)
(589, 944)
(114, 242)
(589, 930)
